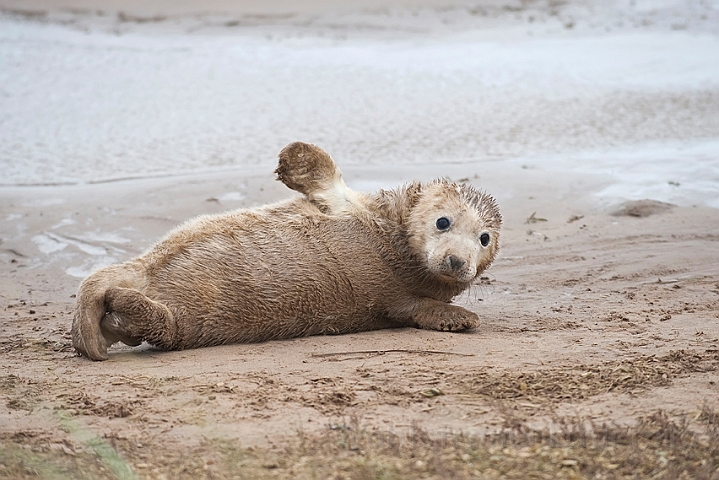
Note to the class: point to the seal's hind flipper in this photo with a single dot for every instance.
(133, 317)
(114, 328)
(308, 169)
(88, 337)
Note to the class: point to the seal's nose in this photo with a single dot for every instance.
(455, 263)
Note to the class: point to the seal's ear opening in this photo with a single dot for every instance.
(394, 207)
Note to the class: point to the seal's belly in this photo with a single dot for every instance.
(262, 284)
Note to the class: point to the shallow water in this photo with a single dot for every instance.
(639, 105)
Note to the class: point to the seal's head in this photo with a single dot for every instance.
(455, 228)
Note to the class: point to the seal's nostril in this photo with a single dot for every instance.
(455, 263)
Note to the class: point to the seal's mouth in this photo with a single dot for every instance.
(447, 278)
(455, 277)
(451, 267)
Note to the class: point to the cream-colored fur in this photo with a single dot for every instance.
(333, 261)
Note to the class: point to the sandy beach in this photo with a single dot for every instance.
(600, 317)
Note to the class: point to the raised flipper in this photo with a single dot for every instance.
(310, 170)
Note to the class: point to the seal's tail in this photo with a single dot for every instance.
(87, 338)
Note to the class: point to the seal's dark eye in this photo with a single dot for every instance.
(484, 239)
(443, 223)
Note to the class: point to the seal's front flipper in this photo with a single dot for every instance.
(435, 315)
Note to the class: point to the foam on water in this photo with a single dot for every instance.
(89, 265)
(49, 244)
(683, 173)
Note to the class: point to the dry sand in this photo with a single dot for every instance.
(586, 315)
(570, 302)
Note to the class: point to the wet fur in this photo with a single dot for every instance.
(334, 261)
